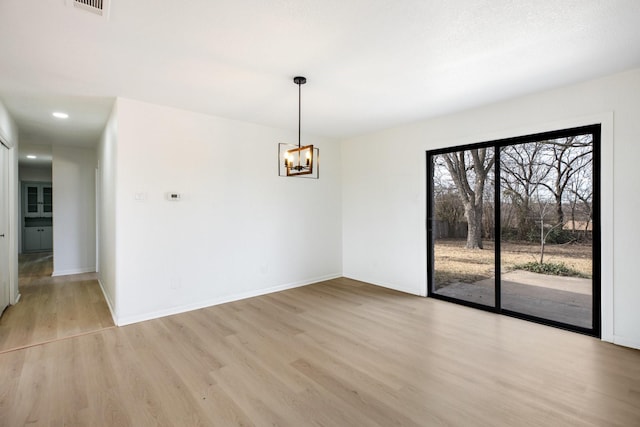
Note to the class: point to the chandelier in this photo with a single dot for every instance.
(298, 160)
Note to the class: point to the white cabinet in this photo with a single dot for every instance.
(31, 240)
(37, 239)
(46, 239)
(37, 221)
(38, 199)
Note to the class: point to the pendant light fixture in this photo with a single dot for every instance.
(298, 160)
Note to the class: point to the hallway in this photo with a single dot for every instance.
(52, 308)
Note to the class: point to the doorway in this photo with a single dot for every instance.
(36, 198)
(514, 227)
(55, 306)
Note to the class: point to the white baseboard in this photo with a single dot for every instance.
(389, 286)
(73, 271)
(127, 320)
(626, 342)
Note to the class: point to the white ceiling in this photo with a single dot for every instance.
(370, 64)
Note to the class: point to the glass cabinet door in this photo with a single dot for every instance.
(32, 199)
(47, 199)
(38, 199)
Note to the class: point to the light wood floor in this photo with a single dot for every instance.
(338, 353)
(51, 308)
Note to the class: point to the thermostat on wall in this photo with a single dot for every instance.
(174, 196)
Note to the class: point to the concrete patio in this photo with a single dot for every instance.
(562, 299)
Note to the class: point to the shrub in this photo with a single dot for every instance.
(553, 268)
(559, 236)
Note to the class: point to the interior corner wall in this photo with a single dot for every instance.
(238, 229)
(384, 188)
(106, 211)
(9, 134)
(74, 212)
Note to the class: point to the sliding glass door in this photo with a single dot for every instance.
(513, 227)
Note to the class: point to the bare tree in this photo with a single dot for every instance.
(521, 172)
(567, 157)
(581, 198)
(448, 209)
(469, 170)
(545, 230)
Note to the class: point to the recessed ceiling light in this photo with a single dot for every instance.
(31, 156)
(60, 115)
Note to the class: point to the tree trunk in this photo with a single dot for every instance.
(471, 193)
(474, 224)
(524, 222)
(559, 213)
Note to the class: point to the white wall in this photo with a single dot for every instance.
(35, 173)
(9, 134)
(240, 229)
(74, 214)
(384, 188)
(106, 211)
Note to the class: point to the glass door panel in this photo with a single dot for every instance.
(462, 228)
(546, 194)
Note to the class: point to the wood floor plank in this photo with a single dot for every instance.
(337, 353)
(52, 308)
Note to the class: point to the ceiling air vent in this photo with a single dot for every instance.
(99, 7)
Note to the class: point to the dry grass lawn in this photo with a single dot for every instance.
(455, 263)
